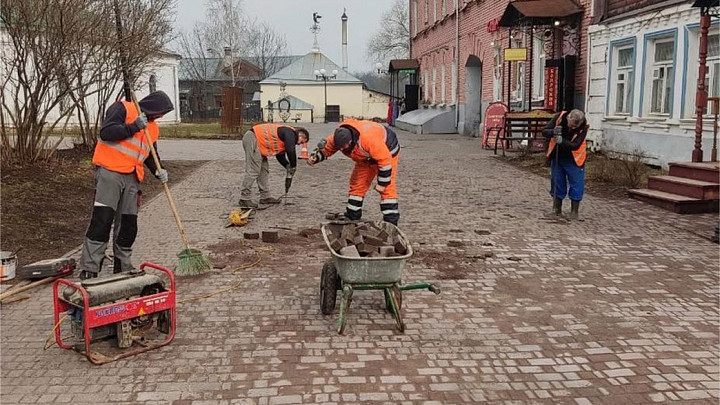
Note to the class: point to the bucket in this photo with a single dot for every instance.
(8, 262)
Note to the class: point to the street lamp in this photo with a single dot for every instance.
(322, 75)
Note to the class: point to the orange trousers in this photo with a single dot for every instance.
(361, 180)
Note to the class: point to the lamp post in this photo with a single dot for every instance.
(322, 75)
(708, 9)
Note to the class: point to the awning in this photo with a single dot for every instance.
(706, 3)
(538, 12)
(404, 64)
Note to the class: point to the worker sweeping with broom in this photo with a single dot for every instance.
(121, 155)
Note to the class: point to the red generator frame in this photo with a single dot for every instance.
(105, 314)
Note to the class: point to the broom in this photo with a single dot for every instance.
(191, 261)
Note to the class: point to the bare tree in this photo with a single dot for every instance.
(196, 65)
(392, 40)
(65, 54)
(227, 29)
(267, 49)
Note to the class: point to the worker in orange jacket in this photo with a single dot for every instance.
(120, 156)
(376, 151)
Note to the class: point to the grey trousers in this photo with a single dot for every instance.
(116, 202)
(256, 168)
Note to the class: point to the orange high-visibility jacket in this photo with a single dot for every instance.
(267, 139)
(129, 154)
(371, 144)
(580, 154)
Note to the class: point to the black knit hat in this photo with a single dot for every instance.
(343, 137)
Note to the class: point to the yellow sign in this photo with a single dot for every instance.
(515, 54)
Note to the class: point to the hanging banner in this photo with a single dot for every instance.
(551, 88)
(515, 54)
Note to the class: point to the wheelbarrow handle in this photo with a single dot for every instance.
(421, 286)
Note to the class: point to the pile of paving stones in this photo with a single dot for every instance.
(366, 239)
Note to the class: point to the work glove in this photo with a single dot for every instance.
(312, 159)
(141, 121)
(559, 139)
(380, 189)
(290, 172)
(162, 175)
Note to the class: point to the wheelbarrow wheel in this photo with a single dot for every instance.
(328, 288)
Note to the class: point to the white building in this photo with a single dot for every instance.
(643, 68)
(345, 92)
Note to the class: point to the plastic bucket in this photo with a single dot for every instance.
(8, 263)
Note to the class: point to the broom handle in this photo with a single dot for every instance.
(165, 186)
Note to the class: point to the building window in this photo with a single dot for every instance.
(414, 6)
(622, 76)
(454, 82)
(434, 85)
(538, 74)
(661, 75)
(442, 83)
(427, 11)
(497, 74)
(434, 3)
(152, 83)
(443, 9)
(425, 86)
(712, 80)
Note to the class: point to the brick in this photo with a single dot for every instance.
(270, 236)
(251, 235)
(349, 251)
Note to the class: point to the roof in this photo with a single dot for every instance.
(302, 71)
(295, 104)
(214, 66)
(539, 12)
(400, 64)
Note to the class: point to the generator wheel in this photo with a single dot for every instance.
(328, 287)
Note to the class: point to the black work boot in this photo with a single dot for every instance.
(574, 207)
(557, 207)
(84, 275)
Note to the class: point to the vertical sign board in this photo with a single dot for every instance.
(494, 125)
(551, 88)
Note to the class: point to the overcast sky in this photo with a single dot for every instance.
(294, 19)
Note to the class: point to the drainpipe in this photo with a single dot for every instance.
(457, 64)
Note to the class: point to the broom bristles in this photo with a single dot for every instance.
(192, 262)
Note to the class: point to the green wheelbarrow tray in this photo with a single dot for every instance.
(362, 270)
(365, 273)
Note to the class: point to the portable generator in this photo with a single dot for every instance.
(136, 309)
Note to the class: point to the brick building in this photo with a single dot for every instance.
(461, 59)
(643, 77)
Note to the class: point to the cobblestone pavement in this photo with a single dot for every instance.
(619, 308)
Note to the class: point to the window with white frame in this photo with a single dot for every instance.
(443, 10)
(497, 74)
(434, 85)
(425, 86)
(661, 75)
(622, 76)
(442, 84)
(712, 80)
(427, 11)
(538, 73)
(434, 6)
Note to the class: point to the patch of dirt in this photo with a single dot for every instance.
(444, 262)
(232, 253)
(46, 207)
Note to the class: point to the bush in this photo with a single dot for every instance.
(627, 170)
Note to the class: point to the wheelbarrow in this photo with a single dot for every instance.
(348, 274)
